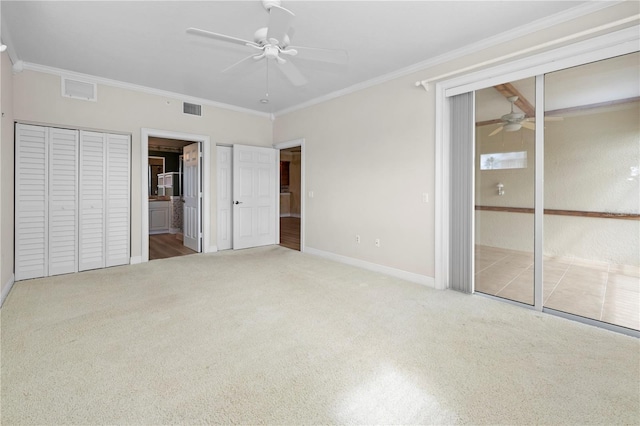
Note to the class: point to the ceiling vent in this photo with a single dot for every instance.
(192, 109)
(76, 89)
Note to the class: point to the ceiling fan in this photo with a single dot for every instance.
(515, 121)
(272, 42)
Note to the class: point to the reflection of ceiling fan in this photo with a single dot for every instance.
(272, 42)
(514, 121)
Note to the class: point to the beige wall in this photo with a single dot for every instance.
(587, 166)
(368, 160)
(6, 173)
(37, 99)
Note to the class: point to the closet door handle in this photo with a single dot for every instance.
(238, 202)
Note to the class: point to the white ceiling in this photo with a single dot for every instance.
(145, 43)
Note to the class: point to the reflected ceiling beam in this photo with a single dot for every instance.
(507, 90)
(564, 111)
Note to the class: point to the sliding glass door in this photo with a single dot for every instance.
(505, 190)
(592, 192)
(588, 183)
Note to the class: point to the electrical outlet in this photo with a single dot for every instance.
(310, 194)
(358, 239)
(425, 197)
(377, 242)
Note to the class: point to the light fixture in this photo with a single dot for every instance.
(512, 127)
(500, 189)
(3, 47)
(264, 101)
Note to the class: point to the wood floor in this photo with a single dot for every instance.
(162, 246)
(290, 232)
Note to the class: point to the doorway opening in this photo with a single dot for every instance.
(290, 197)
(167, 198)
(173, 210)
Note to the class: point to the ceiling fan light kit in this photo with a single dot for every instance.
(273, 41)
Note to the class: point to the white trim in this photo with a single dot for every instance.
(538, 216)
(7, 289)
(205, 142)
(393, 272)
(137, 88)
(528, 50)
(539, 25)
(597, 48)
(606, 46)
(303, 171)
(212, 249)
(135, 260)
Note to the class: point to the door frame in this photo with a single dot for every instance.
(205, 143)
(598, 48)
(280, 146)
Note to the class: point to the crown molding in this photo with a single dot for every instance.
(138, 88)
(535, 26)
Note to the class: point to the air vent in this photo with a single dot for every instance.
(192, 109)
(77, 89)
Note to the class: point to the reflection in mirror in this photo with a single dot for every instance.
(591, 191)
(156, 167)
(504, 190)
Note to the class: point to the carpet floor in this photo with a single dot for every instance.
(275, 336)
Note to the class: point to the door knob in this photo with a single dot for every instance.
(238, 202)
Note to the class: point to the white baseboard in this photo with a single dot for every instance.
(211, 249)
(135, 260)
(160, 231)
(174, 230)
(6, 289)
(397, 273)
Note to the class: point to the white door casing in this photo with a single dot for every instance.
(191, 196)
(224, 197)
(254, 193)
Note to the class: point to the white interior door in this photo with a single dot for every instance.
(63, 201)
(224, 197)
(117, 208)
(31, 202)
(254, 194)
(192, 197)
(92, 195)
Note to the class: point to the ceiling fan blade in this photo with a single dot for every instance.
(249, 60)
(221, 37)
(333, 56)
(292, 73)
(496, 131)
(528, 125)
(279, 22)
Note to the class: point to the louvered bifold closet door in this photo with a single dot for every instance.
(31, 210)
(117, 200)
(92, 199)
(63, 201)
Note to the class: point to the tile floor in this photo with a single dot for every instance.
(596, 290)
